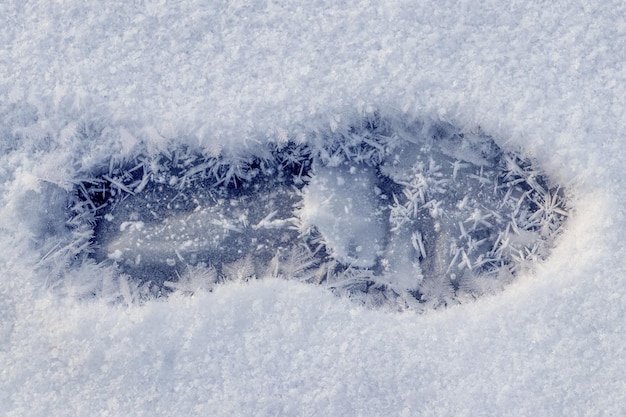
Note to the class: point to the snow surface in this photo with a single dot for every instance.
(341, 203)
(81, 82)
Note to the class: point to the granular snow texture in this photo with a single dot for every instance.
(85, 82)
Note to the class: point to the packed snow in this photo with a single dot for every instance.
(94, 96)
(342, 204)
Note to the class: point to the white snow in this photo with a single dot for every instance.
(81, 81)
(341, 203)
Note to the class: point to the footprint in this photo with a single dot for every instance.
(417, 215)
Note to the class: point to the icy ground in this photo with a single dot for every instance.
(86, 84)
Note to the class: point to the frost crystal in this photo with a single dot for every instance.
(411, 215)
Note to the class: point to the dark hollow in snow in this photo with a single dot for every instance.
(415, 215)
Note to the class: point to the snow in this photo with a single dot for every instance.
(342, 204)
(82, 82)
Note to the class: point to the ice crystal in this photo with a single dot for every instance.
(389, 213)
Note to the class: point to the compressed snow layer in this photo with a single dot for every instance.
(342, 203)
(545, 76)
(160, 232)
